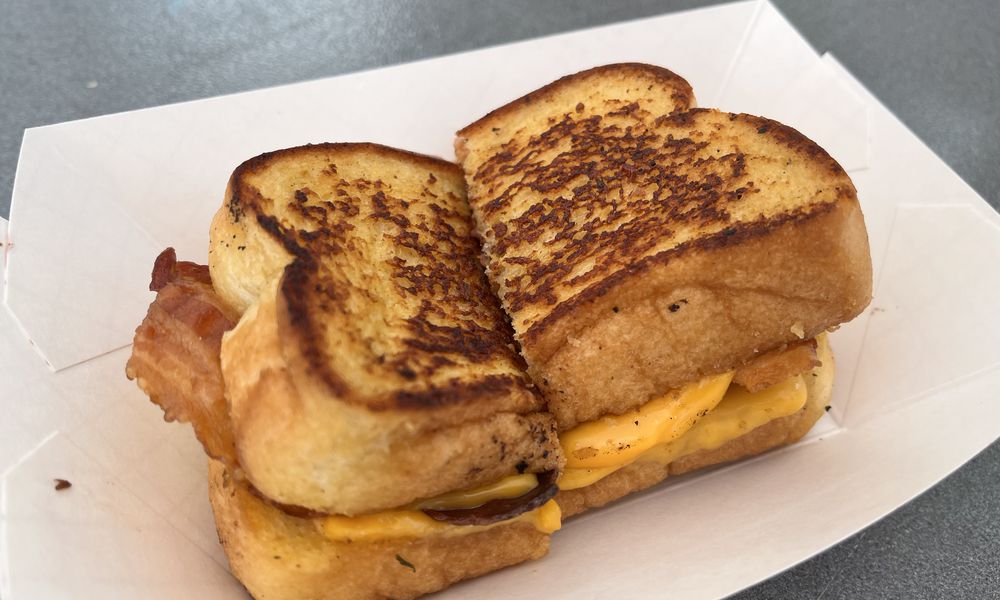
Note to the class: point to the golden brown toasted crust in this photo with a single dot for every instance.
(773, 434)
(371, 366)
(279, 557)
(327, 223)
(649, 250)
(261, 163)
(657, 81)
(707, 314)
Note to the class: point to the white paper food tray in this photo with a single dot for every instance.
(96, 200)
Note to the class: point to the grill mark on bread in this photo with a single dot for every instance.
(238, 200)
(730, 236)
(681, 91)
(491, 385)
(602, 169)
(471, 340)
(457, 320)
(589, 199)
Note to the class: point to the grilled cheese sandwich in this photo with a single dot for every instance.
(639, 246)
(383, 418)
(352, 372)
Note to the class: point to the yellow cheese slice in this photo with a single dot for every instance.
(394, 524)
(508, 487)
(620, 439)
(738, 413)
(412, 522)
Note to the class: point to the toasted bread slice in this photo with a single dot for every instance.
(280, 557)
(773, 434)
(597, 92)
(371, 365)
(637, 250)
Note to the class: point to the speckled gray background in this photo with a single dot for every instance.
(936, 65)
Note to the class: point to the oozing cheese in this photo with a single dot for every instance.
(620, 439)
(412, 522)
(508, 487)
(738, 412)
(393, 524)
(700, 416)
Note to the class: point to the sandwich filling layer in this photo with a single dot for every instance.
(523, 498)
(176, 362)
(394, 524)
(700, 416)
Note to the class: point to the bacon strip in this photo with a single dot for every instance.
(491, 512)
(495, 511)
(175, 353)
(175, 361)
(777, 365)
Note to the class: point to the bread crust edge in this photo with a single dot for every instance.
(703, 313)
(279, 557)
(684, 94)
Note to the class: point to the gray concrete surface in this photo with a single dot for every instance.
(935, 64)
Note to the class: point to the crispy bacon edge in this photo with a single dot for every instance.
(175, 361)
(777, 365)
(175, 353)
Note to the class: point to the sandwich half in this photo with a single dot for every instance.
(669, 271)
(341, 358)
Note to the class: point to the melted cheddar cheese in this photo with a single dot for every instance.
(393, 524)
(620, 439)
(411, 521)
(671, 429)
(700, 416)
(508, 487)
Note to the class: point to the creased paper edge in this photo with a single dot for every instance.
(740, 49)
(4, 550)
(860, 94)
(8, 248)
(5, 578)
(858, 85)
(960, 203)
(4, 248)
(7, 236)
(8, 245)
